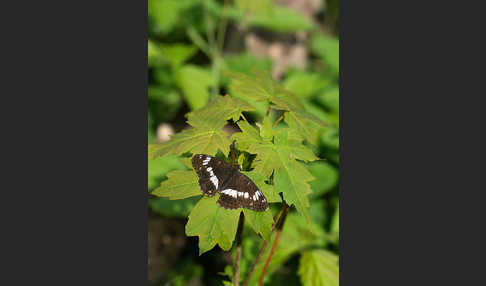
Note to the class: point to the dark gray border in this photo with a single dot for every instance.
(76, 163)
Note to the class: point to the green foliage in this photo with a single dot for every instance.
(306, 84)
(326, 177)
(179, 185)
(177, 54)
(194, 82)
(277, 154)
(206, 137)
(166, 14)
(158, 168)
(213, 224)
(319, 268)
(168, 208)
(306, 124)
(327, 48)
(261, 13)
(295, 237)
(294, 159)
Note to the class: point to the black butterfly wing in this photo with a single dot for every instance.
(212, 172)
(241, 192)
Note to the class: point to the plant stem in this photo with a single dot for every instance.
(277, 121)
(239, 239)
(277, 237)
(264, 246)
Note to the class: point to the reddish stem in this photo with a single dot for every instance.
(275, 242)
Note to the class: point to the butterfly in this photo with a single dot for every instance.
(236, 190)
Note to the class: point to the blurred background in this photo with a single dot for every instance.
(191, 42)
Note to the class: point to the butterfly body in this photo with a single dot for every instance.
(236, 190)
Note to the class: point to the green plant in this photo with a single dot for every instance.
(272, 152)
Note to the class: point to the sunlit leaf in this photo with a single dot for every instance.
(194, 82)
(213, 224)
(319, 268)
(177, 53)
(306, 124)
(195, 140)
(179, 185)
(260, 222)
(215, 114)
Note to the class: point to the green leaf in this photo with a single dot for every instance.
(295, 237)
(262, 88)
(267, 159)
(306, 124)
(330, 98)
(327, 47)
(213, 224)
(319, 268)
(179, 185)
(335, 221)
(255, 7)
(330, 138)
(279, 18)
(245, 63)
(195, 140)
(305, 84)
(194, 82)
(167, 13)
(178, 53)
(176, 209)
(282, 19)
(215, 114)
(158, 168)
(154, 54)
(292, 180)
(326, 177)
(260, 222)
(247, 137)
(164, 12)
(266, 130)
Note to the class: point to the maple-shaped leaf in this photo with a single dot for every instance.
(260, 222)
(179, 185)
(319, 268)
(213, 224)
(287, 145)
(266, 130)
(291, 178)
(285, 100)
(306, 124)
(196, 140)
(215, 114)
(251, 141)
(262, 88)
(259, 89)
(248, 136)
